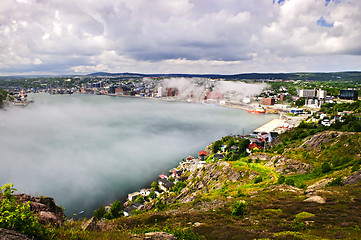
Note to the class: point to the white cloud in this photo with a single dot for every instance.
(66, 34)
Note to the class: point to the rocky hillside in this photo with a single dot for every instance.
(305, 188)
(300, 188)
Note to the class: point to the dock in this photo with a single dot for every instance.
(277, 125)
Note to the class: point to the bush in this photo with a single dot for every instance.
(355, 167)
(115, 210)
(152, 194)
(17, 216)
(290, 181)
(238, 208)
(139, 199)
(99, 213)
(178, 187)
(155, 186)
(336, 182)
(160, 205)
(258, 179)
(240, 193)
(325, 168)
(281, 179)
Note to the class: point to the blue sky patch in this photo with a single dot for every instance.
(278, 1)
(323, 23)
(328, 1)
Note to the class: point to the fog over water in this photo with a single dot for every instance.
(88, 150)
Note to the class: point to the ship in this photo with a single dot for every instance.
(257, 110)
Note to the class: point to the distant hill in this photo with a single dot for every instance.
(253, 76)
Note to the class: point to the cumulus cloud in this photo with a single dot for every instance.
(67, 36)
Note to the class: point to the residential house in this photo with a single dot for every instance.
(134, 195)
(218, 156)
(202, 155)
(234, 148)
(127, 211)
(165, 185)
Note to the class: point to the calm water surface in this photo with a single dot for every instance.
(88, 150)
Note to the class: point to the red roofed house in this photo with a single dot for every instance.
(201, 155)
(254, 146)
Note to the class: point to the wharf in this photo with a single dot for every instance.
(274, 126)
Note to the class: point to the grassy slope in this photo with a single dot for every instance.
(273, 211)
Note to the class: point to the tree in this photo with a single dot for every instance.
(216, 146)
(300, 102)
(115, 210)
(243, 144)
(99, 213)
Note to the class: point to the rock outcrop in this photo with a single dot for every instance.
(44, 207)
(288, 166)
(353, 178)
(6, 234)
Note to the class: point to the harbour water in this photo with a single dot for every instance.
(88, 150)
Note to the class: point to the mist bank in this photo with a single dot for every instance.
(200, 89)
(88, 150)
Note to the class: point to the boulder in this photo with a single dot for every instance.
(320, 184)
(47, 217)
(159, 236)
(315, 198)
(353, 178)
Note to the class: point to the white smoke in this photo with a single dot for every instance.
(197, 88)
(236, 90)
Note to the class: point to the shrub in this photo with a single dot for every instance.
(281, 179)
(355, 167)
(178, 187)
(258, 179)
(302, 186)
(238, 208)
(152, 194)
(160, 205)
(115, 210)
(336, 182)
(290, 181)
(139, 199)
(325, 168)
(17, 216)
(99, 213)
(240, 193)
(155, 186)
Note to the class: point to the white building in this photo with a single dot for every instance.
(161, 92)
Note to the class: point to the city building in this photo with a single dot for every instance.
(349, 94)
(314, 97)
(268, 101)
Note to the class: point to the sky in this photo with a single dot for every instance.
(179, 36)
